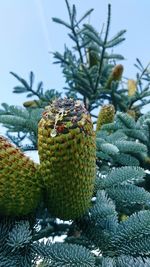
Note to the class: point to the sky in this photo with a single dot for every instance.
(28, 35)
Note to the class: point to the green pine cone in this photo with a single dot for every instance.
(106, 115)
(67, 154)
(19, 185)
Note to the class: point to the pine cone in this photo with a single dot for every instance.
(132, 113)
(117, 72)
(132, 87)
(67, 154)
(19, 185)
(115, 75)
(106, 115)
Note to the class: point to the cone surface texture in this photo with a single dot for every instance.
(106, 115)
(67, 154)
(19, 188)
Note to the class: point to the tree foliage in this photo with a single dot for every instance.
(115, 230)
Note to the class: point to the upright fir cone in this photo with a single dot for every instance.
(106, 115)
(132, 113)
(115, 75)
(132, 87)
(19, 185)
(67, 151)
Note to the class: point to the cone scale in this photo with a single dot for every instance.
(66, 145)
(19, 185)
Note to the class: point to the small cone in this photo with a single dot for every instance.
(132, 113)
(92, 57)
(106, 115)
(31, 104)
(115, 75)
(123, 217)
(117, 72)
(19, 185)
(132, 87)
(67, 151)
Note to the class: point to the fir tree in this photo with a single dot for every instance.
(98, 180)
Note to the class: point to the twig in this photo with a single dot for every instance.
(103, 49)
(145, 69)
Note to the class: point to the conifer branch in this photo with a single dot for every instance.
(55, 229)
(103, 48)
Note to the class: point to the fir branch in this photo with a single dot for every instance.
(100, 222)
(57, 229)
(144, 70)
(129, 198)
(84, 16)
(131, 147)
(60, 254)
(124, 261)
(27, 87)
(43, 97)
(120, 176)
(133, 235)
(104, 47)
(20, 121)
(20, 235)
(126, 120)
(126, 160)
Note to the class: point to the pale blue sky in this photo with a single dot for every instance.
(28, 34)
